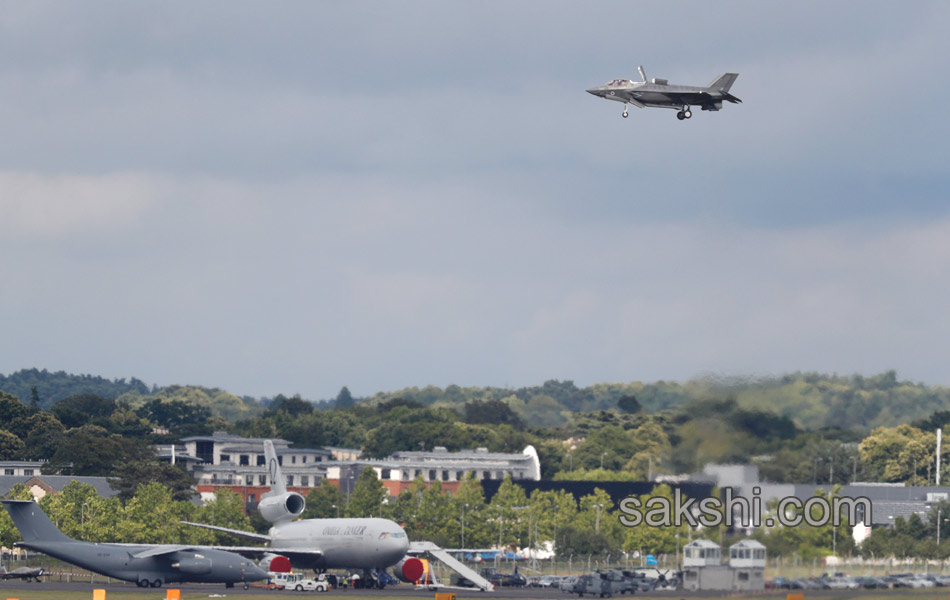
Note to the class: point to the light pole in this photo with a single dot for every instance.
(597, 519)
(463, 507)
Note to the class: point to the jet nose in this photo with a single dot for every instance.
(254, 573)
(596, 91)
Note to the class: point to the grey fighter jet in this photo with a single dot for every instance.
(659, 93)
(145, 564)
(25, 573)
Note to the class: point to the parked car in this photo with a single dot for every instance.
(842, 583)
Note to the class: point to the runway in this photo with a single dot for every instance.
(9, 589)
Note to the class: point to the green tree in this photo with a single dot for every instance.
(324, 501)
(344, 399)
(492, 412)
(180, 417)
(83, 409)
(367, 497)
(43, 436)
(406, 509)
(91, 450)
(81, 513)
(131, 475)
(554, 511)
(898, 453)
(152, 517)
(13, 413)
(10, 446)
(652, 535)
(628, 404)
(225, 509)
(651, 450)
(507, 510)
(609, 448)
(469, 522)
(8, 531)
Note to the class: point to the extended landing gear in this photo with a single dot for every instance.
(684, 114)
(625, 114)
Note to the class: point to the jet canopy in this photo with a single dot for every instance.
(618, 83)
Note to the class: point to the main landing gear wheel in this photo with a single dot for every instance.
(680, 115)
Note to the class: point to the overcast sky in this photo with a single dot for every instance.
(290, 197)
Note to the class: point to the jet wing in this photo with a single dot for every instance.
(160, 550)
(257, 537)
(628, 97)
(310, 554)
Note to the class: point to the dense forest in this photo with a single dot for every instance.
(797, 428)
(812, 401)
(800, 428)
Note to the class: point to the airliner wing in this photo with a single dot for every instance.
(257, 537)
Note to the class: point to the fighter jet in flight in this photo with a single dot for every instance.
(659, 93)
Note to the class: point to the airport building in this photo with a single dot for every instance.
(703, 568)
(226, 461)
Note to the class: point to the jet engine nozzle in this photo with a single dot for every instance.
(276, 563)
(281, 508)
(409, 569)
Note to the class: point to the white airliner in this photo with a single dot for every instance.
(320, 544)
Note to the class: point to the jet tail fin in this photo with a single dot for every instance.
(723, 82)
(33, 523)
(276, 478)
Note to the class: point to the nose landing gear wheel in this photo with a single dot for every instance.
(625, 114)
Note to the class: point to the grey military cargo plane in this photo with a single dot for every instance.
(659, 93)
(145, 564)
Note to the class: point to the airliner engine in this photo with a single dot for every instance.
(275, 563)
(409, 569)
(282, 507)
